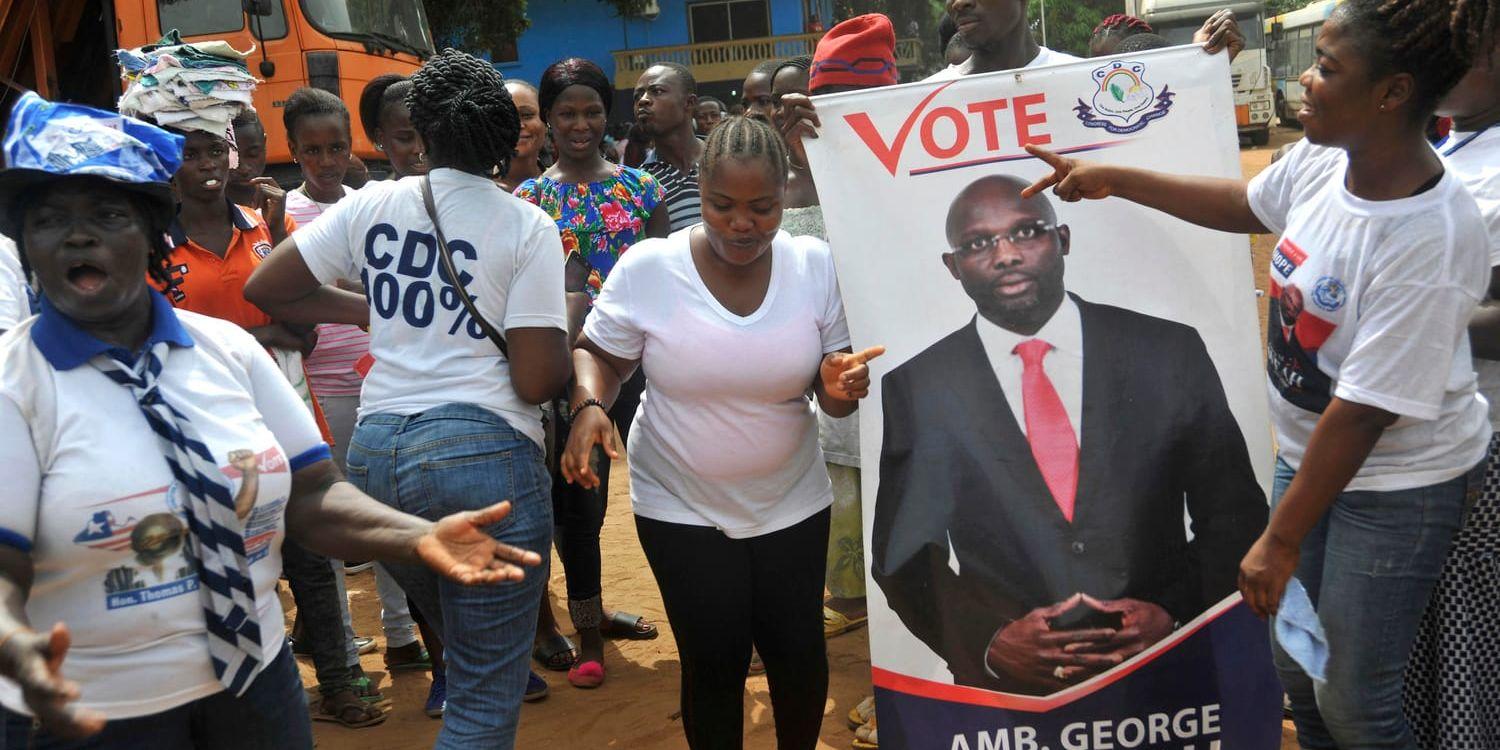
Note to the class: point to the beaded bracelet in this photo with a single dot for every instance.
(573, 415)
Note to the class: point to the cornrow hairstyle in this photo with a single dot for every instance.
(572, 71)
(1141, 43)
(372, 100)
(310, 102)
(1416, 37)
(800, 62)
(689, 83)
(767, 68)
(743, 139)
(461, 109)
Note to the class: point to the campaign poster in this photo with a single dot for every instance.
(1066, 449)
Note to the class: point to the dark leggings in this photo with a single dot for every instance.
(579, 513)
(722, 595)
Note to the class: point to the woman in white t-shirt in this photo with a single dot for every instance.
(1382, 259)
(1452, 686)
(735, 323)
(447, 419)
(155, 460)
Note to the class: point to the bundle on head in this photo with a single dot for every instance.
(461, 109)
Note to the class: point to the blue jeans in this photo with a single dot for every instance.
(271, 715)
(1369, 567)
(453, 458)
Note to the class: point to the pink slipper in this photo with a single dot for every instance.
(587, 675)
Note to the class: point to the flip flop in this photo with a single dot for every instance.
(625, 626)
(556, 653)
(354, 715)
(836, 624)
(587, 675)
(867, 737)
(861, 713)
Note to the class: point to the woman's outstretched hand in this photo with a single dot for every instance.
(34, 661)
(459, 548)
(846, 376)
(1071, 179)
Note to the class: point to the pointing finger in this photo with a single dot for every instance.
(860, 358)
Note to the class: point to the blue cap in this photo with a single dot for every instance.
(45, 141)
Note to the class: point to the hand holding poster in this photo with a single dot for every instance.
(1073, 442)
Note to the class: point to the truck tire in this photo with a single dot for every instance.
(1260, 137)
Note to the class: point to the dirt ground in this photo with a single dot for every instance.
(637, 707)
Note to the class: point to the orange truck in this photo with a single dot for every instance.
(64, 50)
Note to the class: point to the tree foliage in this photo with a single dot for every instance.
(1070, 23)
(476, 26)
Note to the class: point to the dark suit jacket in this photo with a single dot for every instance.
(955, 469)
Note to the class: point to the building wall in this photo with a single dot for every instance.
(590, 28)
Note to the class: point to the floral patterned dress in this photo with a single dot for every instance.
(598, 220)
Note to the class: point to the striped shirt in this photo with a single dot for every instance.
(684, 207)
(330, 367)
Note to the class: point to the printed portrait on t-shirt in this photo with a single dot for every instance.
(1298, 322)
(152, 526)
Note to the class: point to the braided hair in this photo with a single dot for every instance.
(1473, 26)
(310, 102)
(573, 71)
(800, 62)
(1115, 28)
(460, 107)
(744, 139)
(1433, 41)
(382, 91)
(767, 68)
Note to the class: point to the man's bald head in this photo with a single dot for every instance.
(1007, 252)
(995, 188)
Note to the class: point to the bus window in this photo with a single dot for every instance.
(200, 17)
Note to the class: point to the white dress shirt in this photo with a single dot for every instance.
(1063, 363)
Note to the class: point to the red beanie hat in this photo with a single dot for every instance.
(858, 52)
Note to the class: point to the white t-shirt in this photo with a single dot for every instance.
(1475, 159)
(427, 351)
(15, 304)
(1043, 57)
(725, 435)
(86, 483)
(1370, 302)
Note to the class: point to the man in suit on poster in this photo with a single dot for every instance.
(1037, 463)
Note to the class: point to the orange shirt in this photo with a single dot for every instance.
(214, 286)
(209, 285)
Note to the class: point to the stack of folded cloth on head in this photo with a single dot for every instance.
(201, 86)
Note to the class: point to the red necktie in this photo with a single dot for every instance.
(1053, 444)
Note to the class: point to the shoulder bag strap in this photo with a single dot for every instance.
(446, 255)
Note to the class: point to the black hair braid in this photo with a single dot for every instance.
(1473, 26)
(310, 102)
(1417, 37)
(766, 68)
(460, 107)
(372, 101)
(744, 139)
(800, 62)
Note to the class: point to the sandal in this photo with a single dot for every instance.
(867, 736)
(345, 708)
(625, 626)
(587, 675)
(556, 653)
(861, 713)
(835, 623)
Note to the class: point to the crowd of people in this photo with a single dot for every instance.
(226, 383)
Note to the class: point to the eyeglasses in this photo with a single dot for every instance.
(1022, 236)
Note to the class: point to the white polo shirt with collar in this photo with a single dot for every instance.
(90, 497)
